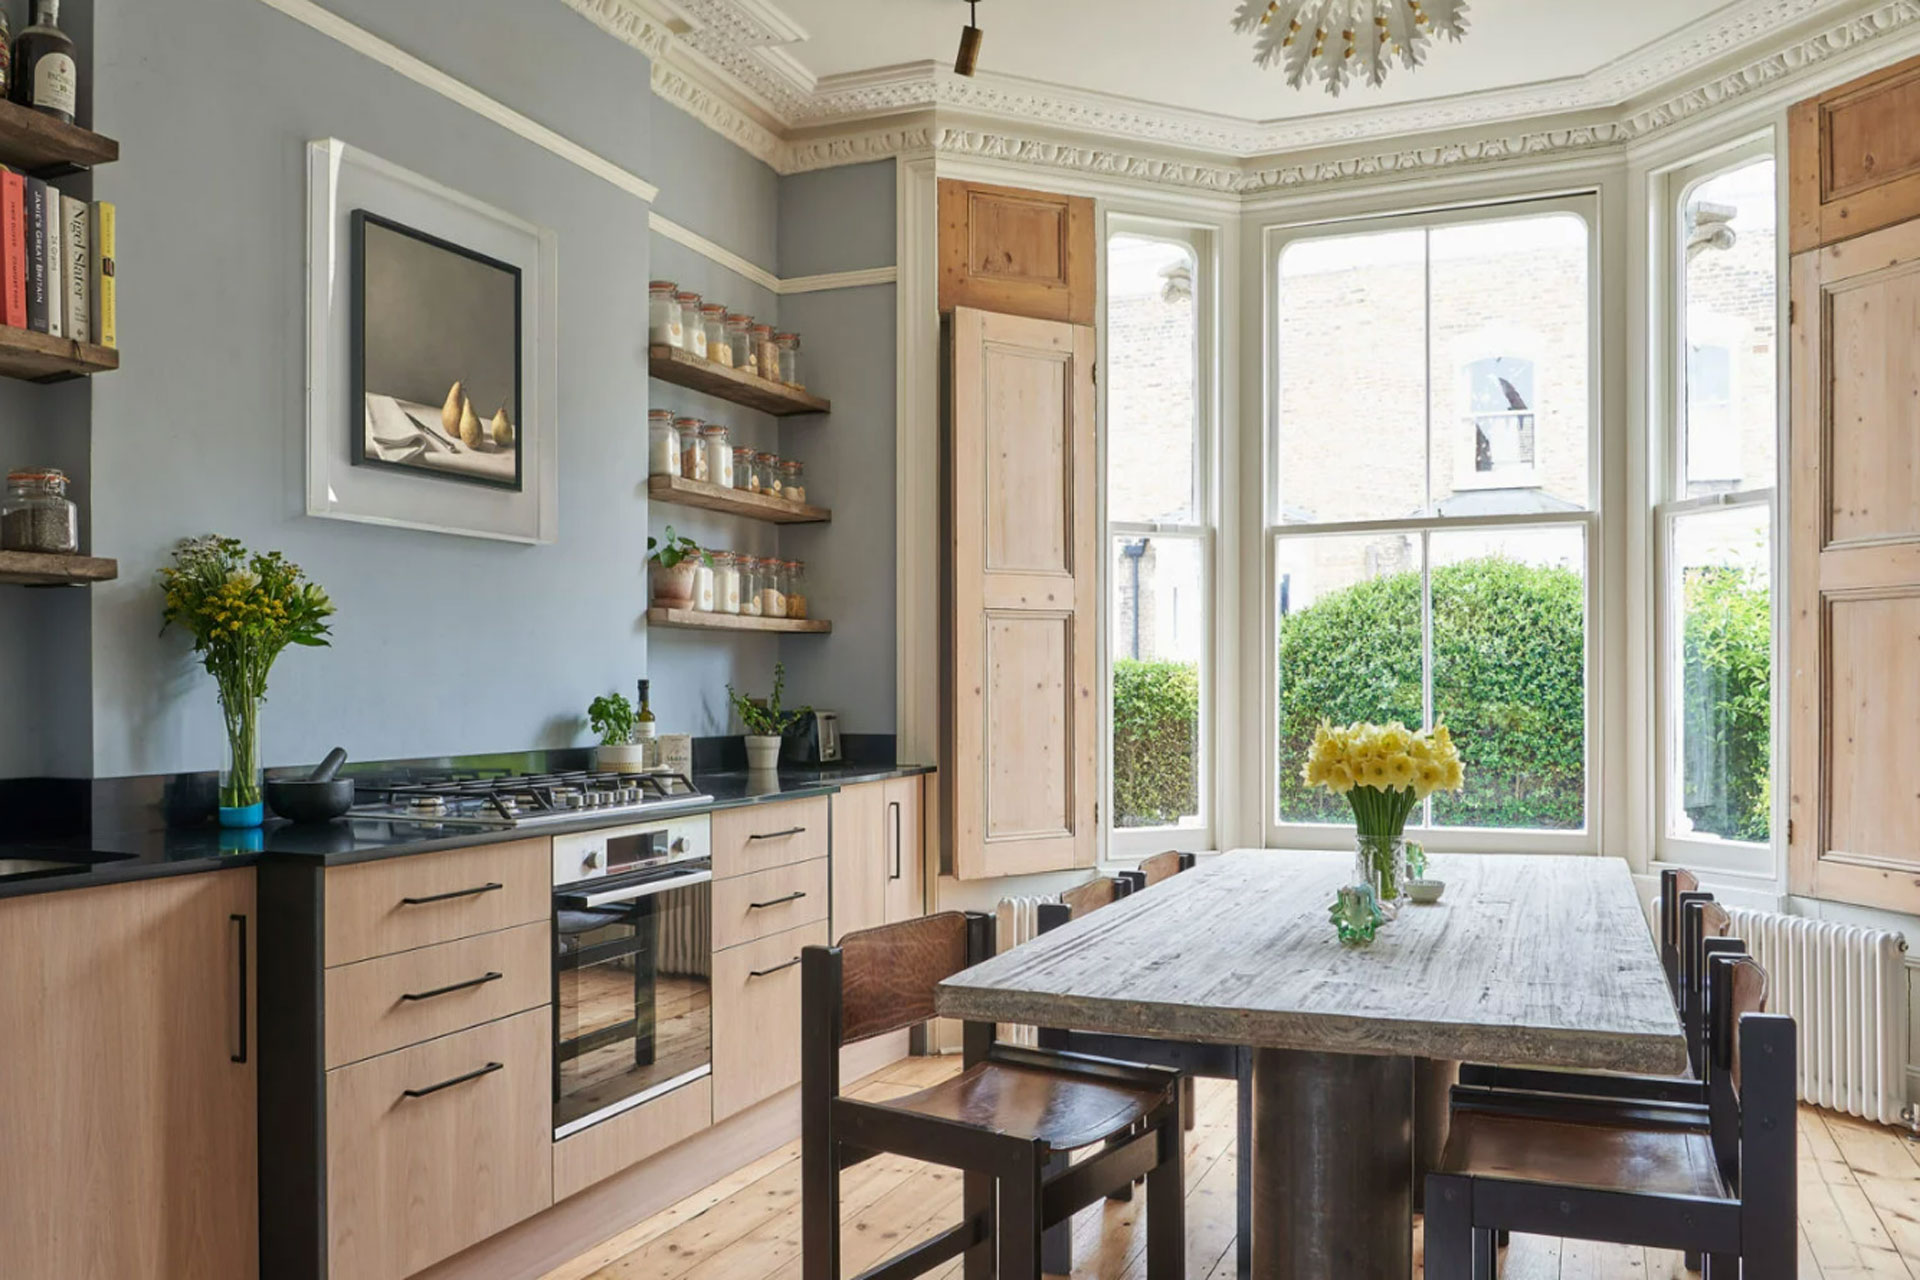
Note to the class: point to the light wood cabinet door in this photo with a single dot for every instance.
(1024, 575)
(754, 837)
(907, 845)
(1853, 825)
(756, 1018)
(128, 1123)
(771, 901)
(1854, 158)
(1023, 253)
(378, 908)
(862, 844)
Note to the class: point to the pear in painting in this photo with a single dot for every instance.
(470, 431)
(450, 411)
(502, 428)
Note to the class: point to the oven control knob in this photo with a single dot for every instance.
(679, 845)
(591, 862)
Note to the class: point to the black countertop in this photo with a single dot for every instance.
(138, 852)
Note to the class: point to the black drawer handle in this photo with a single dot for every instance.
(779, 835)
(242, 922)
(487, 1070)
(897, 845)
(761, 973)
(480, 981)
(447, 897)
(795, 896)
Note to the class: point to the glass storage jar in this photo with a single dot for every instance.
(690, 321)
(751, 576)
(769, 474)
(796, 588)
(789, 345)
(663, 444)
(766, 356)
(746, 470)
(663, 314)
(739, 342)
(713, 320)
(693, 451)
(703, 586)
(793, 485)
(726, 582)
(719, 455)
(37, 515)
(773, 590)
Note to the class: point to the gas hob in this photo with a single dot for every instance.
(524, 800)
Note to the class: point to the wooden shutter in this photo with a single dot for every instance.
(1025, 556)
(1854, 571)
(1854, 158)
(1024, 253)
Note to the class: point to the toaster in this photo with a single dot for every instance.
(814, 738)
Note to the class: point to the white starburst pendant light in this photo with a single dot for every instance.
(1346, 40)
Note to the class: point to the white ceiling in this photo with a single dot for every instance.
(1192, 60)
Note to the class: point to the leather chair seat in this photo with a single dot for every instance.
(1060, 1111)
(1603, 1157)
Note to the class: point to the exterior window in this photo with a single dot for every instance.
(1430, 523)
(1159, 532)
(1716, 515)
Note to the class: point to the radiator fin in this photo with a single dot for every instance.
(1017, 920)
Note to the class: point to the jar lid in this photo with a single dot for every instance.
(782, 337)
(37, 475)
(714, 309)
(735, 317)
(687, 297)
(687, 422)
(660, 413)
(767, 457)
(662, 284)
(790, 464)
(713, 429)
(763, 330)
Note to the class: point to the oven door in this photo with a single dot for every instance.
(632, 984)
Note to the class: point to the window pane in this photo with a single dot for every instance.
(1158, 639)
(1510, 356)
(1509, 674)
(1152, 405)
(1348, 620)
(1721, 646)
(1731, 290)
(1352, 425)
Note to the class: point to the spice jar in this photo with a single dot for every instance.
(773, 589)
(703, 585)
(726, 582)
(770, 483)
(789, 345)
(719, 455)
(663, 444)
(690, 321)
(663, 314)
(766, 356)
(36, 514)
(792, 486)
(796, 588)
(746, 470)
(693, 453)
(751, 577)
(739, 341)
(713, 320)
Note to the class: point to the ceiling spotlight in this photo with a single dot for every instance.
(969, 58)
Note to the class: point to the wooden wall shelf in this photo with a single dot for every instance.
(671, 364)
(40, 144)
(37, 357)
(737, 502)
(32, 569)
(693, 621)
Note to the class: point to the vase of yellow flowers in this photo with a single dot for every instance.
(1383, 771)
(243, 609)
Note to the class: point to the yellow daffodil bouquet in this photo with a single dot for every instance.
(243, 608)
(1383, 771)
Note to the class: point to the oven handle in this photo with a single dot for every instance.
(633, 893)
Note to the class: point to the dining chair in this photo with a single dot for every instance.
(1563, 1166)
(999, 1121)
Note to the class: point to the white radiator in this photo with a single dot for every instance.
(1017, 920)
(1846, 988)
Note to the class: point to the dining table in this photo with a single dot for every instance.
(1526, 960)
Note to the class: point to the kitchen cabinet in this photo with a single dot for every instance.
(127, 1066)
(906, 834)
(756, 1018)
(879, 872)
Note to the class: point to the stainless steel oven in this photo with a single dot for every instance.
(633, 967)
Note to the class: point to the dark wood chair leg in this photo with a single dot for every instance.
(1018, 1228)
(1056, 1244)
(1726, 1266)
(1486, 1255)
(1167, 1201)
(1693, 1262)
(1450, 1234)
(1125, 1194)
(976, 1201)
(1189, 1103)
(1243, 1162)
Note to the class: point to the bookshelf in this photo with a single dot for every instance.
(735, 502)
(691, 620)
(32, 569)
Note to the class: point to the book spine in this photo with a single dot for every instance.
(36, 255)
(76, 246)
(56, 286)
(13, 249)
(102, 302)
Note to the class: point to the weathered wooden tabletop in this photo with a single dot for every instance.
(1543, 961)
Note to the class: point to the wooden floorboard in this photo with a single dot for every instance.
(1859, 1212)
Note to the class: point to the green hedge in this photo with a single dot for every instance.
(1726, 704)
(1156, 710)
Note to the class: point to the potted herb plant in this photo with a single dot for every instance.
(243, 608)
(765, 721)
(674, 560)
(612, 717)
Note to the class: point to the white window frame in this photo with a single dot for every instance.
(1585, 204)
(1669, 191)
(1130, 844)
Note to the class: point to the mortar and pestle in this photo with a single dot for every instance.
(318, 797)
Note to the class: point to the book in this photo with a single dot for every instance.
(56, 287)
(13, 249)
(101, 303)
(36, 255)
(76, 248)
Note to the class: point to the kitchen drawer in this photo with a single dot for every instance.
(584, 1158)
(375, 1006)
(756, 1018)
(759, 836)
(412, 1180)
(377, 908)
(765, 902)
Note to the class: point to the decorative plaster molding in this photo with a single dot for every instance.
(712, 106)
(627, 22)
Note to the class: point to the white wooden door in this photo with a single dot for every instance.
(1025, 557)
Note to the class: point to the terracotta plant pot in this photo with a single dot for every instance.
(673, 588)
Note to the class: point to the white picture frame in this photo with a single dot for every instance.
(341, 179)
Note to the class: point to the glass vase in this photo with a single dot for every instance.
(241, 803)
(1381, 861)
